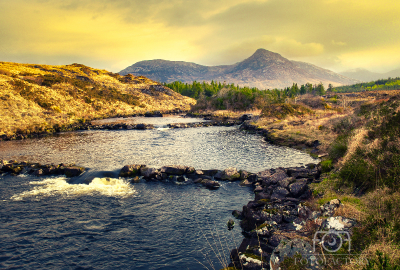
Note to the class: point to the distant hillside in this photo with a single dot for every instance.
(37, 98)
(264, 70)
(364, 75)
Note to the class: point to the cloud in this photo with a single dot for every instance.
(205, 31)
(339, 43)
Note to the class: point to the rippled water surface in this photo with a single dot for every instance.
(203, 148)
(47, 223)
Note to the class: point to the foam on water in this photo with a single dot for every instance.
(111, 187)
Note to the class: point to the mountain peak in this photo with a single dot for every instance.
(265, 54)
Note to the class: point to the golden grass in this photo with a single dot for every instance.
(27, 105)
(386, 247)
(307, 128)
(355, 142)
(349, 210)
(234, 114)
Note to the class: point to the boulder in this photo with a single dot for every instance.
(258, 189)
(198, 181)
(230, 224)
(338, 223)
(298, 249)
(252, 178)
(230, 174)
(174, 170)
(299, 187)
(328, 209)
(262, 196)
(264, 174)
(144, 126)
(211, 172)
(149, 172)
(73, 171)
(210, 184)
(130, 170)
(38, 172)
(286, 182)
(245, 117)
(279, 193)
(246, 183)
(277, 176)
(334, 232)
(244, 175)
(276, 239)
(190, 170)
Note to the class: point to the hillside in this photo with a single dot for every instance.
(264, 70)
(39, 98)
(368, 76)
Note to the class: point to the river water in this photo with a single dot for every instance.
(47, 223)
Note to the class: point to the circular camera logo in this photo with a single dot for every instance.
(331, 240)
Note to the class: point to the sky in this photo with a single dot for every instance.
(113, 34)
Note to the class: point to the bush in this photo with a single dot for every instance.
(338, 148)
(313, 102)
(359, 172)
(383, 221)
(326, 166)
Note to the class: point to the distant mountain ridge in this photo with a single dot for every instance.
(264, 70)
(368, 76)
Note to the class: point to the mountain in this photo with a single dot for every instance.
(264, 70)
(38, 98)
(368, 76)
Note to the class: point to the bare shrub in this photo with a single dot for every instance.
(314, 102)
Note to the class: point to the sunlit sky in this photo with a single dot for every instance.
(113, 34)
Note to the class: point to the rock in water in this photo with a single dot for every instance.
(230, 224)
(130, 170)
(230, 174)
(73, 171)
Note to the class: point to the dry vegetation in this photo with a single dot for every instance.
(38, 98)
(360, 135)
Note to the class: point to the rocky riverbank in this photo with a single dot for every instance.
(281, 227)
(36, 169)
(310, 145)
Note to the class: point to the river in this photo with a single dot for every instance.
(47, 223)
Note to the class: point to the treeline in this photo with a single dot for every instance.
(383, 84)
(222, 96)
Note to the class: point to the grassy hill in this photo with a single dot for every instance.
(44, 98)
